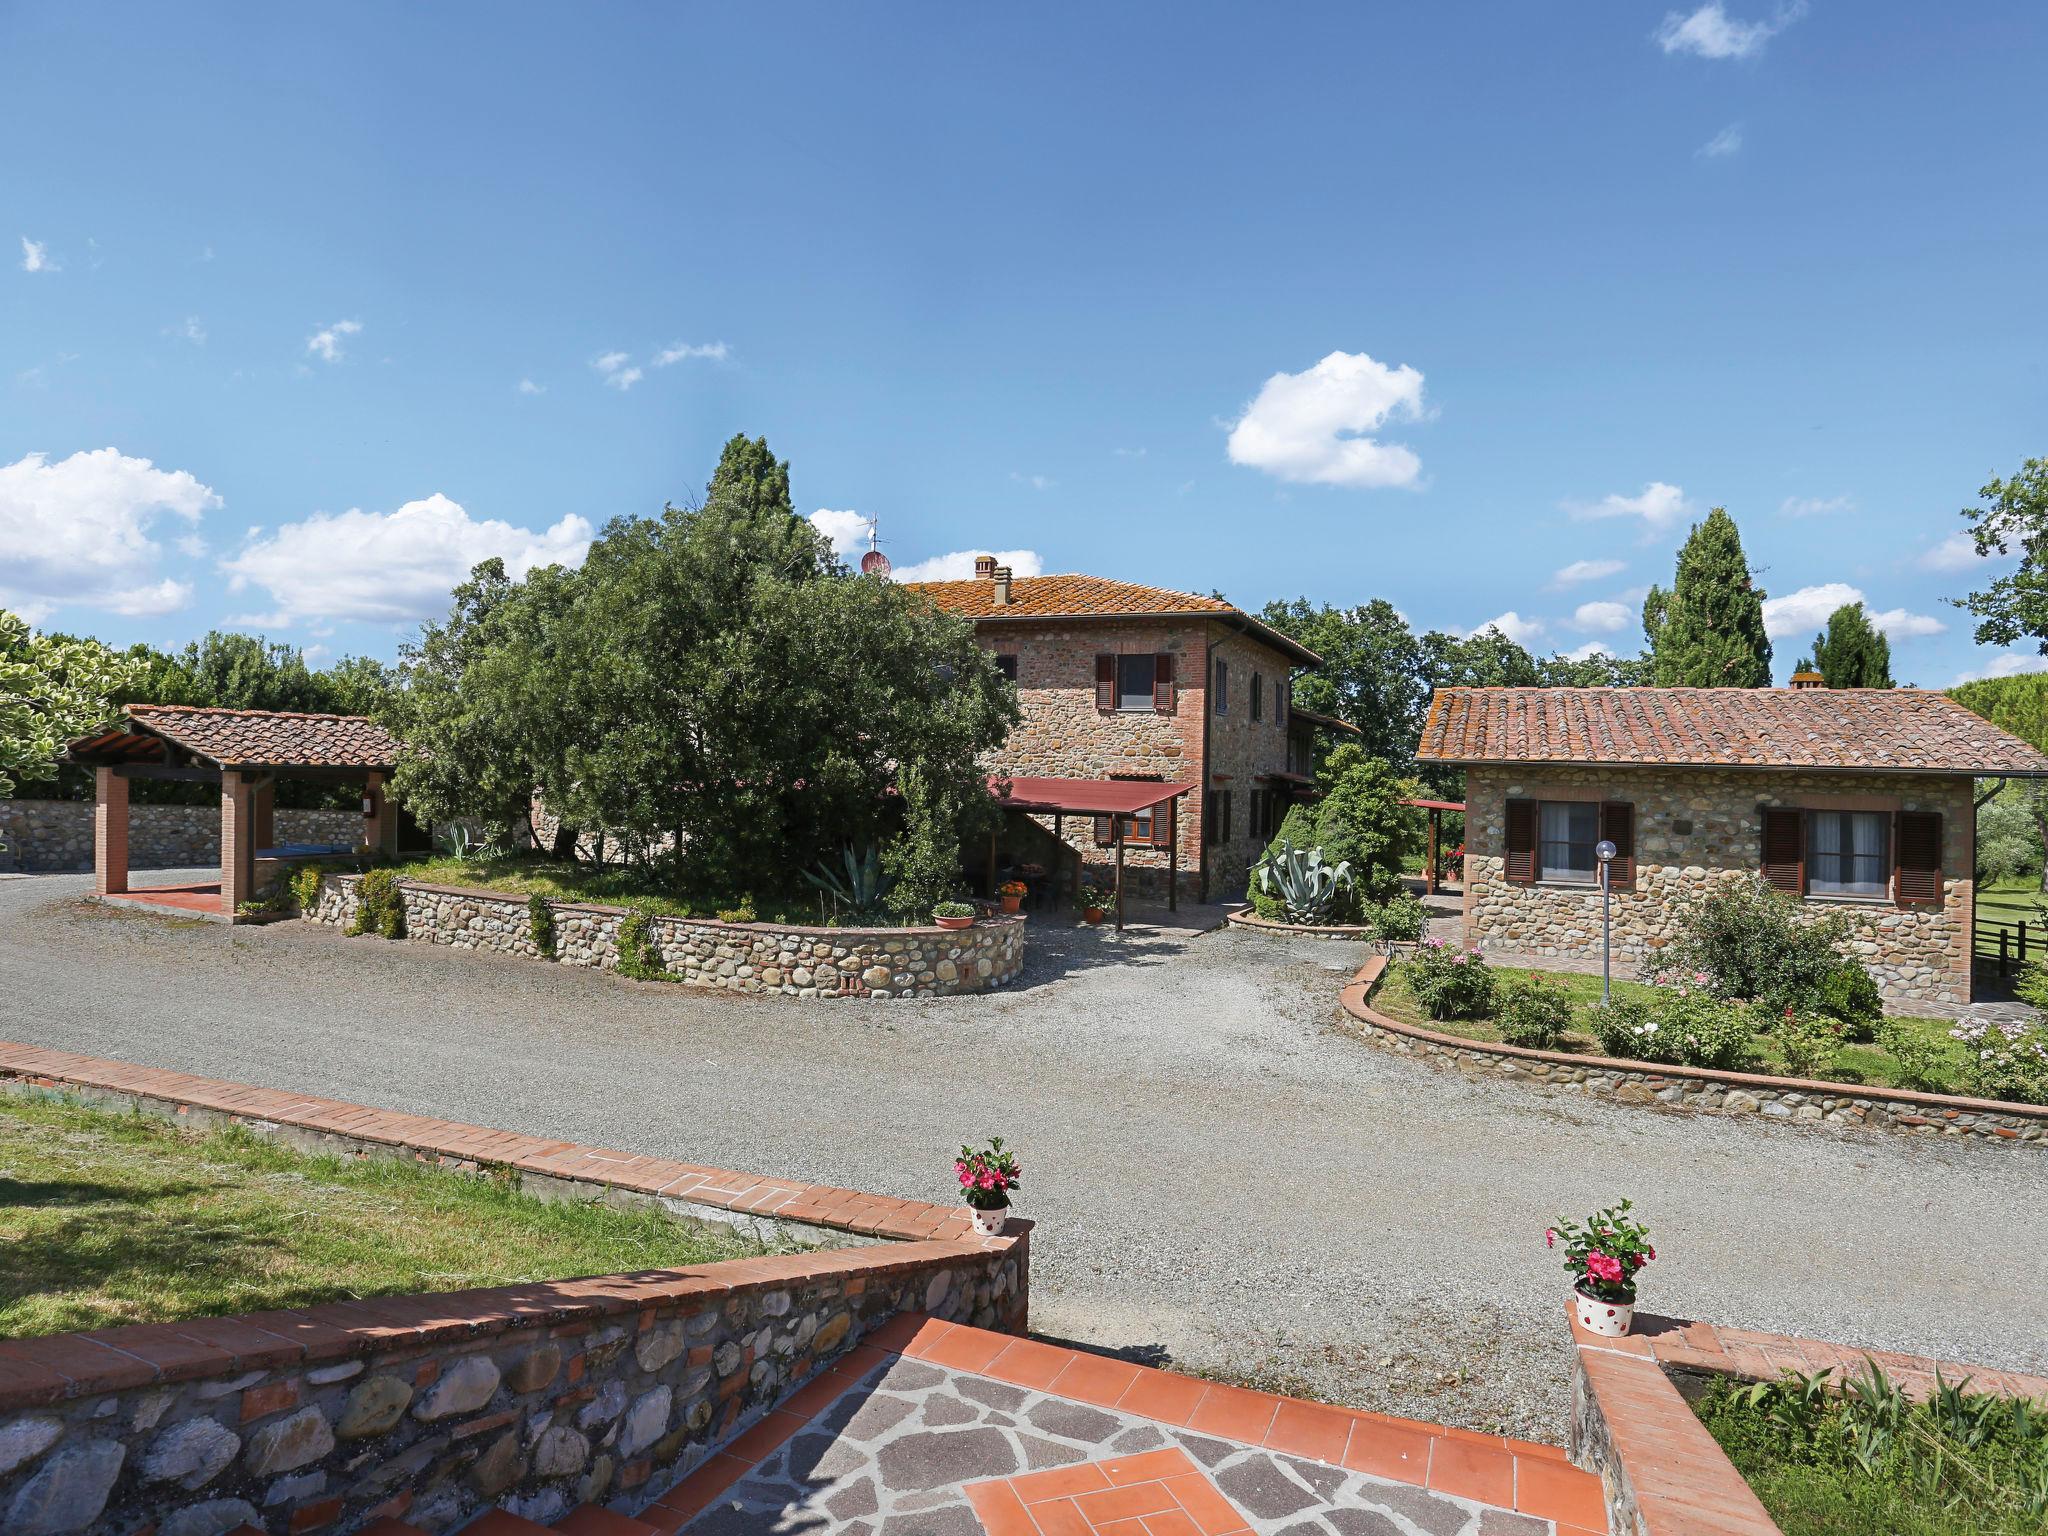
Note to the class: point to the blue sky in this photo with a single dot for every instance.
(303, 309)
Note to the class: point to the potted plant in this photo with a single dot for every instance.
(1603, 1257)
(1012, 894)
(987, 1175)
(1093, 902)
(953, 914)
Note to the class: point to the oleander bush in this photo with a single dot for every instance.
(1449, 982)
(1687, 1025)
(1757, 945)
(1533, 1010)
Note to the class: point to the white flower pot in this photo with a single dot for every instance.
(989, 1223)
(1609, 1319)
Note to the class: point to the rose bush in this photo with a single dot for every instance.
(1451, 983)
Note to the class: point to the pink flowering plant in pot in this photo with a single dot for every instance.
(1603, 1258)
(987, 1175)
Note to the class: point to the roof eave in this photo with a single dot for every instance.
(1972, 772)
(1293, 649)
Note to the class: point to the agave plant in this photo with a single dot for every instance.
(1305, 886)
(861, 887)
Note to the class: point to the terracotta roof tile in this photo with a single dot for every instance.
(1049, 596)
(1901, 730)
(257, 738)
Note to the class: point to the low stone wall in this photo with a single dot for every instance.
(49, 835)
(760, 958)
(1791, 1100)
(1245, 917)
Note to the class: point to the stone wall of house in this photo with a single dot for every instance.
(1241, 751)
(1697, 827)
(433, 1408)
(820, 963)
(49, 835)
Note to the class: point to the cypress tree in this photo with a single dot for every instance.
(1708, 630)
(1852, 653)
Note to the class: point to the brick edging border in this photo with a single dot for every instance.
(1245, 917)
(1793, 1100)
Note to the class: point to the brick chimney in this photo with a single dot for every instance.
(1802, 680)
(1002, 576)
(984, 567)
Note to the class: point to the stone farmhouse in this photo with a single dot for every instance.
(1857, 801)
(1138, 685)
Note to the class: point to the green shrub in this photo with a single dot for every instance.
(380, 905)
(1752, 943)
(1918, 1062)
(1848, 994)
(1358, 820)
(639, 954)
(1808, 1041)
(1400, 919)
(1451, 983)
(952, 909)
(1533, 1011)
(540, 924)
(743, 913)
(305, 886)
(2009, 1059)
(1681, 1026)
(1297, 829)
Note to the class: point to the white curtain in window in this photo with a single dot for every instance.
(1827, 846)
(1567, 830)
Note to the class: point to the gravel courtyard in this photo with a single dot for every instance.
(1224, 1178)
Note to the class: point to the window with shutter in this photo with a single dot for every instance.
(1520, 863)
(1618, 826)
(1784, 851)
(1103, 834)
(1258, 695)
(1105, 682)
(1918, 880)
(1209, 807)
(1007, 665)
(1222, 689)
(1162, 683)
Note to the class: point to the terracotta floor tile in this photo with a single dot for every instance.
(1310, 1429)
(1173, 1522)
(905, 1332)
(1094, 1379)
(1147, 1498)
(1391, 1451)
(754, 1444)
(1000, 1511)
(1473, 1471)
(1538, 1449)
(967, 1349)
(1558, 1491)
(1201, 1499)
(1121, 1528)
(1163, 1396)
(1151, 1466)
(1024, 1363)
(1060, 1482)
(702, 1487)
(1058, 1517)
(815, 1396)
(1235, 1414)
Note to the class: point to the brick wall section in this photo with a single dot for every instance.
(237, 843)
(110, 832)
(1917, 955)
(761, 958)
(45, 836)
(1063, 735)
(433, 1407)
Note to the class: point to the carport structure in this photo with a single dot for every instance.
(1113, 803)
(245, 752)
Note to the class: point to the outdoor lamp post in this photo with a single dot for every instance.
(1604, 851)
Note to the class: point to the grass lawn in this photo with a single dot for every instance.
(2012, 901)
(109, 1218)
(1853, 1063)
(559, 880)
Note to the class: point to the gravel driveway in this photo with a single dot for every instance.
(1223, 1177)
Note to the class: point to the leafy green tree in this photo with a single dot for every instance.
(2020, 705)
(2009, 835)
(2015, 513)
(1597, 669)
(1851, 653)
(1358, 818)
(1708, 630)
(53, 689)
(1372, 674)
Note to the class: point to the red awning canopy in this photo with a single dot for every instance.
(1436, 805)
(1085, 797)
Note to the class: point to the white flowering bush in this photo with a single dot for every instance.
(1682, 1021)
(2006, 1060)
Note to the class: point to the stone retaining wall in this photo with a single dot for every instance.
(1247, 918)
(1788, 1099)
(49, 835)
(759, 958)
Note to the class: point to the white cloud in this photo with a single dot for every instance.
(390, 567)
(1658, 504)
(716, 351)
(1586, 570)
(1807, 610)
(2005, 664)
(35, 257)
(189, 329)
(1518, 629)
(959, 565)
(617, 370)
(528, 387)
(1605, 617)
(1036, 482)
(1957, 552)
(1590, 649)
(1723, 144)
(1815, 506)
(1312, 427)
(848, 532)
(325, 343)
(1712, 33)
(80, 531)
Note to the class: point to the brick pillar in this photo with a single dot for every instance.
(237, 845)
(109, 832)
(263, 815)
(380, 824)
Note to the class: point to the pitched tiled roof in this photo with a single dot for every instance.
(1096, 597)
(1900, 730)
(244, 738)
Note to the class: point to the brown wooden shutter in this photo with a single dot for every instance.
(1104, 834)
(1618, 826)
(1917, 877)
(1520, 864)
(1105, 682)
(1784, 861)
(1162, 683)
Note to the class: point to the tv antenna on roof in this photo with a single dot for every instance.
(874, 562)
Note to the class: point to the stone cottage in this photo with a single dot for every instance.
(1124, 682)
(1857, 801)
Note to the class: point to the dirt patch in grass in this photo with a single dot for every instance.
(109, 1218)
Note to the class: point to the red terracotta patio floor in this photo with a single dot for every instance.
(932, 1429)
(189, 898)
